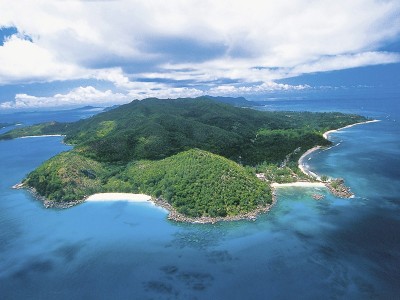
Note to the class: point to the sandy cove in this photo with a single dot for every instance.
(173, 214)
(302, 165)
(39, 136)
(298, 184)
(325, 135)
(108, 197)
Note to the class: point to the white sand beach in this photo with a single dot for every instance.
(38, 136)
(302, 165)
(298, 184)
(326, 134)
(108, 197)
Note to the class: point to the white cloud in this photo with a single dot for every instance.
(164, 92)
(198, 43)
(340, 62)
(89, 95)
(254, 89)
(77, 97)
(23, 61)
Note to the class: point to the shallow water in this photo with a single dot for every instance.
(303, 248)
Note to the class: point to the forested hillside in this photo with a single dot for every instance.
(195, 182)
(155, 129)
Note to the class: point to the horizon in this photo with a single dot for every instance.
(60, 55)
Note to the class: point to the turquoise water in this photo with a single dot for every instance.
(302, 249)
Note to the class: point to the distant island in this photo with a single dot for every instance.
(200, 158)
(3, 125)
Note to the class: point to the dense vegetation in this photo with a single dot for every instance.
(66, 177)
(197, 183)
(38, 129)
(146, 146)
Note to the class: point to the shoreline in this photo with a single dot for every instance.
(173, 214)
(326, 134)
(302, 165)
(340, 190)
(111, 197)
(38, 136)
(298, 184)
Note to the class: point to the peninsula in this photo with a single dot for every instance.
(198, 157)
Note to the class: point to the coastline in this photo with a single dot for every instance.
(336, 186)
(326, 134)
(302, 165)
(38, 136)
(173, 214)
(298, 184)
(47, 203)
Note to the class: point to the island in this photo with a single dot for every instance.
(4, 125)
(200, 158)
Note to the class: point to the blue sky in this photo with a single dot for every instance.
(75, 53)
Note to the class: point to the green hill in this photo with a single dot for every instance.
(195, 182)
(67, 177)
(199, 183)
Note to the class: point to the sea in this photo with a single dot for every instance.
(302, 249)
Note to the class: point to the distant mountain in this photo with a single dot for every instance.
(237, 101)
(87, 107)
(111, 107)
(102, 109)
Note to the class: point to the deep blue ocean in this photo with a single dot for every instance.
(302, 249)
